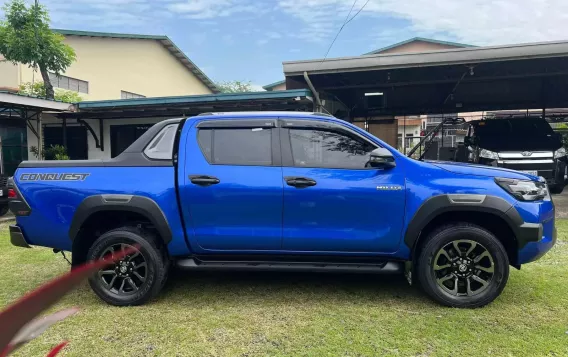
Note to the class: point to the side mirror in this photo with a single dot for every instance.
(381, 158)
(468, 141)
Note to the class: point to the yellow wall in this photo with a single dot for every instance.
(9, 74)
(111, 65)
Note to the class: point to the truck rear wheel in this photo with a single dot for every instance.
(135, 279)
(463, 265)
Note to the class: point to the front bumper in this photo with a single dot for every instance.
(535, 249)
(537, 237)
(17, 237)
(552, 171)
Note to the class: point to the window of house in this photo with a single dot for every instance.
(329, 149)
(162, 146)
(69, 83)
(129, 95)
(121, 136)
(252, 146)
(409, 140)
(75, 136)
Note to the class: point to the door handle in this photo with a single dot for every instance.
(299, 182)
(204, 180)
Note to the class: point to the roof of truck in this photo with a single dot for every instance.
(294, 114)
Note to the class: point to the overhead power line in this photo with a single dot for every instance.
(361, 9)
(347, 20)
(340, 29)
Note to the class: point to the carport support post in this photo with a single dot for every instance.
(319, 106)
(404, 136)
(65, 134)
(39, 137)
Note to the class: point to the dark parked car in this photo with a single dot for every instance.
(528, 145)
(3, 195)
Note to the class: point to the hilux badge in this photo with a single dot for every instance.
(389, 188)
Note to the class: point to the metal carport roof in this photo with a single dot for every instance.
(469, 55)
(523, 76)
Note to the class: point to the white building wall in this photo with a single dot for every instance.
(96, 153)
(93, 152)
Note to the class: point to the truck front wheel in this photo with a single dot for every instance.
(135, 279)
(557, 188)
(463, 265)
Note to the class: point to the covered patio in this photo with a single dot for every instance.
(109, 126)
(19, 115)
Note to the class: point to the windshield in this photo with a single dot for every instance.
(517, 127)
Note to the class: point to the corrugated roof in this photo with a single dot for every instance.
(421, 39)
(468, 56)
(8, 99)
(164, 40)
(272, 85)
(195, 99)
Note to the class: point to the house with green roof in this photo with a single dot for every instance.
(118, 65)
(109, 66)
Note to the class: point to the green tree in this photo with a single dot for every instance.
(234, 86)
(37, 89)
(25, 38)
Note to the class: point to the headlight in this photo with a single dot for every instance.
(488, 154)
(560, 153)
(524, 190)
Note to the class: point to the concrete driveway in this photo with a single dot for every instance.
(561, 204)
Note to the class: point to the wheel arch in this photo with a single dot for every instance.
(113, 211)
(490, 212)
(140, 205)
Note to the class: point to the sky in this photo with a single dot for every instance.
(248, 40)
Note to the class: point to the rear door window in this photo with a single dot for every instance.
(237, 146)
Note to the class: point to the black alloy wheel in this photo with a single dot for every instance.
(136, 278)
(462, 265)
(464, 268)
(127, 275)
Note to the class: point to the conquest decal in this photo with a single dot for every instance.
(53, 177)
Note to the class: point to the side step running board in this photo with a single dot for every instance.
(377, 268)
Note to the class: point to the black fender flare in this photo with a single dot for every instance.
(127, 203)
(436, 205)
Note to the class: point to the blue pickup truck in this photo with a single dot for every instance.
(283, 191)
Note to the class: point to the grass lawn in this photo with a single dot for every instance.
(230, 314)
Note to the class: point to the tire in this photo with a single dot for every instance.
(557, 188)
(4, 210)
(150, 279)
(460, 285)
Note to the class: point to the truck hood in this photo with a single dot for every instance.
(481, 170)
